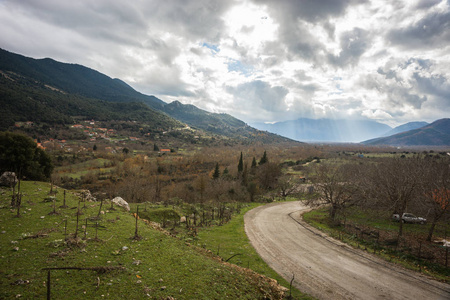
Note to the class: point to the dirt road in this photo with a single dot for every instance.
(326, 268)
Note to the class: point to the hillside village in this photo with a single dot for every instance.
(103, 139)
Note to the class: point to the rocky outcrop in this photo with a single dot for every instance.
(8, 179)
(87, 196)
(122, 203)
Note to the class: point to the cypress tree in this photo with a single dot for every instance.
(216, 173)
(254, 162)
(241, 164)
(263, 159)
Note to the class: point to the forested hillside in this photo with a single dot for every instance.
(47, 91)
(25, 99)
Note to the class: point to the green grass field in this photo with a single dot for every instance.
(230, 241)
(156, 266)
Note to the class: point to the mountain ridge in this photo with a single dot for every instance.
(326, 130)
(43, 82)
(405, 127)
(435, 134)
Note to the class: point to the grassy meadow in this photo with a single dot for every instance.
(113, 262)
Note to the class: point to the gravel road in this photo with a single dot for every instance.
(326, 268)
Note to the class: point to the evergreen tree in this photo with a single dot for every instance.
(241, 164)
(254, 162)
(19, 154)
(216, 173)
(155, 147)
(94, 148)
(225, 172)
(263, 159)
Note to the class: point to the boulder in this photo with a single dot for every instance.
(86, 194)
(8, 179)
(122, 203)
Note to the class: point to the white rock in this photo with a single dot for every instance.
(122, 203)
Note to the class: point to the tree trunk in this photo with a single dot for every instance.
(333, 211)
(19, 196)
(430, 233)
(400, 215)
(13, 199)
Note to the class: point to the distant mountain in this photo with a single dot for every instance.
(45, 90)
(434, 134)
(326, 130)
(405, 127)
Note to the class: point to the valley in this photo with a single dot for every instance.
(76, 139)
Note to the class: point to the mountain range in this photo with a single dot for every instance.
(326, 130)
(47, 91)
(405, 127)
(44, 90)
(435, 134)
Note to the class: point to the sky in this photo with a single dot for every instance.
(257, 60)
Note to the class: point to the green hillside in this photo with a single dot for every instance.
(105, 259)
(74, 79)
(220, 124)
(44, 90)
(25, 99)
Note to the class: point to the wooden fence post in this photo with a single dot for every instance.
(48, 285)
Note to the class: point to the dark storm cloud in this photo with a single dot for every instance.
(99, 19)
(437, 86)
(429, 32)
(124, 24)
(353, 44)
(309, 10)
(388, 74)
(194, 19)
(294, 16)
(426, 4)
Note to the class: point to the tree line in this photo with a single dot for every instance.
(417, 184)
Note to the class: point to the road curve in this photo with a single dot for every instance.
(326, 268)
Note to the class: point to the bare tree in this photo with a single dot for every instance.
(335, 185)
(394, 184)
(268, 174)
(436, 190)
(288, 185)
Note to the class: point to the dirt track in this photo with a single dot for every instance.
(326, 268)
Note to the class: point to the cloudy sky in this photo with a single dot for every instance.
(258, 60)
